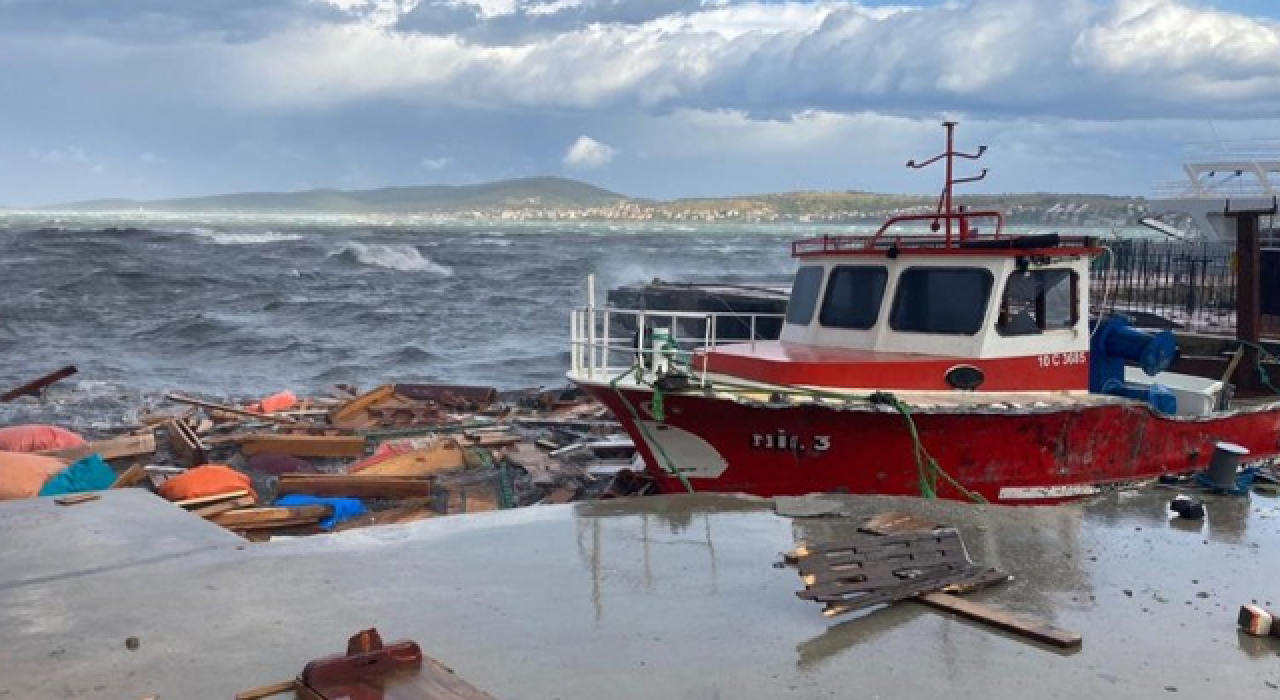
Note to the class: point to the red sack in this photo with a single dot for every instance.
(280, 401)
(34, 438)
(23, 475)
(206, 480)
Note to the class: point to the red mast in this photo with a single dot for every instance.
(944, 204)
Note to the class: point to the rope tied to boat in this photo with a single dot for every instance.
(927, 468)
(665, 463)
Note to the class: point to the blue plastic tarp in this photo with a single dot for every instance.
(89, 474)
(343, 508)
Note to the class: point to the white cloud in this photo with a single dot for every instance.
(150, 158)
(436, 163)
(587, 153)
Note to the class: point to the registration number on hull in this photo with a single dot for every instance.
(782, 440)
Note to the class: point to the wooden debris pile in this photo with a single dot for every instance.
(897, 557)
(404, 451)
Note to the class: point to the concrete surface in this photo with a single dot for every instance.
(665, 597)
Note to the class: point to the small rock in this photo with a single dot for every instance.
(1171, 688)
(1128, 592)
(1202, 594)
(132, 643)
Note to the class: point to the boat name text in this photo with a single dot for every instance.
(782, 440)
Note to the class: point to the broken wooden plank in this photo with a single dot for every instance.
(354, 485)
(203, 500)
(267, 691)
(408, 512)
(128, 446)
(72, 499)
(131, 476)
(210, 405)
(220, 507)
(564, 494)
(898, 524)
(35, 386)
(445, 455)
(186, 445)
(305, 445)
(1030, 628)
(271, 517)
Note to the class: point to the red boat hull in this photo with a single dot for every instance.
(1009, 456)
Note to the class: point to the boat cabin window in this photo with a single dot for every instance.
(804, 294)
(854, 295)
(1036, 301)
(948, 300)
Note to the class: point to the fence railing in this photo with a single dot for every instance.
(1174, 284)
(605, 342)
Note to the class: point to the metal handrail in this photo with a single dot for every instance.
(593, 344)
(838, 244)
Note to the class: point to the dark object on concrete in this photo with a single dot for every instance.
(1187, 507)
(132, 643)
(1256, 621)
(370, 669)
(35, 386)
(1224, 465)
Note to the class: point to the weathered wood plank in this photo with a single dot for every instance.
(1038, 630)
(202, 500)
(219, 507)
(131, 476)
(354, 485)
(74, 498)
(127, 446)
(180, 398)
(35, 386)
(267, 691)
(260, 518)
(305, 445)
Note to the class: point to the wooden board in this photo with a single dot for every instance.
(131, 476)
(127, 446)
(1033, 629)
(354, 485)
(219, 507)
(204, 500)
(35, 386)
(445, 455)
(306, 445)
(72, 499)
(227, 409)
(187, 446)
(898, 524)
(354, 414)
(266, 518)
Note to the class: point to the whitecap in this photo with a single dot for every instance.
(405, 258)
(254, 238)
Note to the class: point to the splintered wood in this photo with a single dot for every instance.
(871, 570)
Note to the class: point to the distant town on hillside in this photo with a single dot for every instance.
(560, 199)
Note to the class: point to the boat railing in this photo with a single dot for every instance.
(1232, 186)
(606, 342)
(932, 230)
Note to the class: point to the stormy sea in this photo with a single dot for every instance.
(242, 308)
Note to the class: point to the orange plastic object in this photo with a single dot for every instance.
(279, 401)
(206, 480)
(34, 438)
(23, 475)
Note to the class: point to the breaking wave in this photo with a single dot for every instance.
(223, 238)
(405, 258)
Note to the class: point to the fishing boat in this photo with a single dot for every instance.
(938, 356)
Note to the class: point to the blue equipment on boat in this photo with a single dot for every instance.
(1116, 343)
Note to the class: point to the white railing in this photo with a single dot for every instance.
(606, 342)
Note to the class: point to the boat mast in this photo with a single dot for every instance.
(944, 205)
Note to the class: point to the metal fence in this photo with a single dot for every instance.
(1169, 284)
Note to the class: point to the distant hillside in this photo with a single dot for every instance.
(526, 193)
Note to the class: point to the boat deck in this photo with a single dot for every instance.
(662, 597)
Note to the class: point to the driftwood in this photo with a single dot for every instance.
(35, 386)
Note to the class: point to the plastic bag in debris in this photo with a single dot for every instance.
(343, 508)
(23, 475)
(34, 438)
(89, 474)
(206, 480)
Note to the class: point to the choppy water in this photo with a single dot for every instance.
(242, 308)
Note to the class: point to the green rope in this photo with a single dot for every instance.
(666, 464)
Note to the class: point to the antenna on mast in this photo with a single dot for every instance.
(944, 205)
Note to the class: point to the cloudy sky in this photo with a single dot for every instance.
(657, 98)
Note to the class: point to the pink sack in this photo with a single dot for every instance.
(23, 475)
(35, 438)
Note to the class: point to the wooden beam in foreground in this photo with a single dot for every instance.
(305, 445)
(1038, 630)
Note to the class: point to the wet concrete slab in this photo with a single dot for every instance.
(671, 597)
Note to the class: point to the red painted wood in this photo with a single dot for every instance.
(792, 364)
(871, 452)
